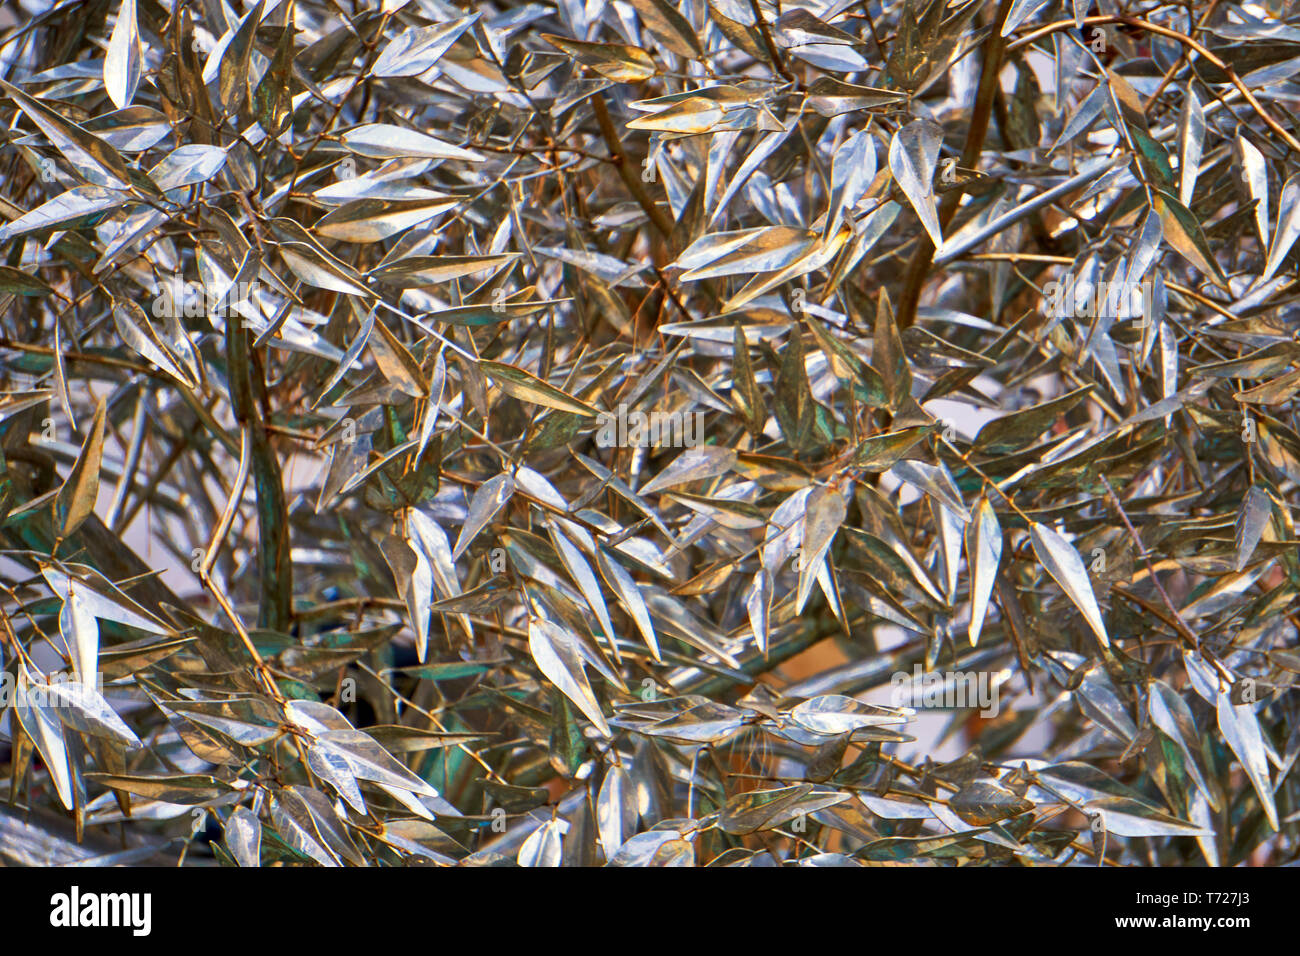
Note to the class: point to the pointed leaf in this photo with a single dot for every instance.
(913, 155)
(76, 501)
(527, 387)
(489, 498)
(556, 652)
(122, 63)
(616, 810)
(823, 516)
(1062, 562)
(694, 464)
(1252, 519)
(983, 552)
(244, 837)
(1240, 728)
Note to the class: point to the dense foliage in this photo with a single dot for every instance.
(609, 433)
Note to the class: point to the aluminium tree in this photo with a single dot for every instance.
(616, 433)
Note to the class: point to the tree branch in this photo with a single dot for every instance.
(626, 169)
(979, 124)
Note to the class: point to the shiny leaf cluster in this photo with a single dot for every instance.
(649, 433)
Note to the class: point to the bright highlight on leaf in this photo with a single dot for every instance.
(651, 433)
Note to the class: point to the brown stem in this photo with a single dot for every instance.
(626, 169)
(979, 124)
(773, 53)
(274, 566)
